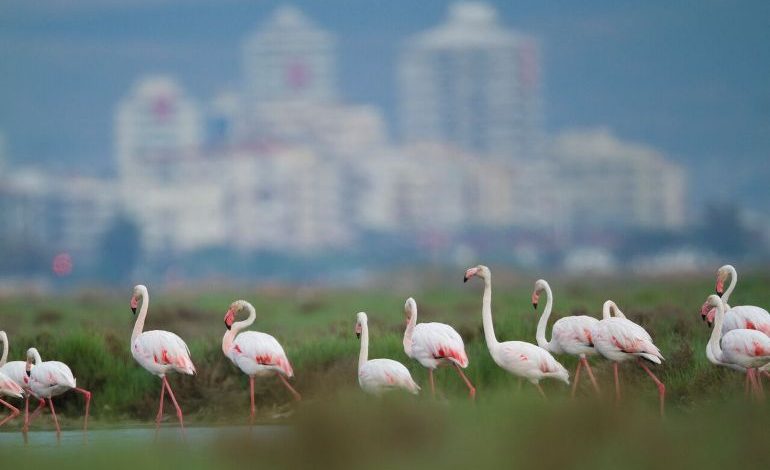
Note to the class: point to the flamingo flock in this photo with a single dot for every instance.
(740, 340)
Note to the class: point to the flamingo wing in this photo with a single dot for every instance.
(527, 360)
(439, 341)
(252, 349)
(629, 338)
(575, 330)
(747, 317)
(16, 371)
(164, 348)
(380, 375)
(747, 348)
(9, 387)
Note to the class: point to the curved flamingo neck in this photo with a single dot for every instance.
(363, 356)
(410, 331)
(606, 309)
(714, 344)
(543, 322)
(486, 314)
(36, 356)
(4, 339)
(229, 337)
(731, 287)
(139, 325)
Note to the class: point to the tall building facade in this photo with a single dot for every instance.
(472, 83)
(288, 58)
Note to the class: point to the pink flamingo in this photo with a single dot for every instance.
(570, 335)
(521, 359)
(434, 345)
(619, 339)
(50, 379)
(8, 387)
(255, 353)
(748, 317)
(377, 376)
(740, 349)
(158, 351)
(17, 372)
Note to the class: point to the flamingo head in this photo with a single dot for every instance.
(361, 321)
(722, 274)
(410, 307)
(480, 271)
(32, 357)
(709, 309)
(138, 293)
(540, 286)
(233, 310)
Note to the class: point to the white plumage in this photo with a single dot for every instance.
(377, 376)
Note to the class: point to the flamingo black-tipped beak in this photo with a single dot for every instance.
(719, 293)
(133, 309)
(465, 278)
(358, 335)
(29, 373)
(534, 305)
(227, 325)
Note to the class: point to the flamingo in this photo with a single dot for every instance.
(746, 317)
(8, 387)
(16, 371)
(570, 335)
(50, 379)
(377, 376)
(434, 345)
(619, 339)
(158, 351)
(740, 349)
(255, 353)
(520, 358)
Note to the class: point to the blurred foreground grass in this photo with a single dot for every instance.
(707, 425)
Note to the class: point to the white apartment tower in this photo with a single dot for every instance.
(288, 58)
(473, 83)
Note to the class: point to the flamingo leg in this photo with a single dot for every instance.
(661, 386)
(14, 412)
(746, 385)
(758, 377)
(87, 396)
(577, 378)
(540, 389)
(55, 419)
(176, 405)
(27, 417)
(253, 407)
(471, 388)
(160, 407)
(432, 385)
(590, 374)
(617, 382)
(297, 396)
(755, 386)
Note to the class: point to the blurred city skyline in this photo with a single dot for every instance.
(688, 78)
(486, 132)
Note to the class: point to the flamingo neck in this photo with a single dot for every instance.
(229, 337)
(4, 339)
(486, 314)
(139, 325)
(363, 356)
(714, 345)
(409, 332)
(731, 287)
(36, 355)
(543, 322)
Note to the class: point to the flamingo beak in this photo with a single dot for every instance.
(720, 288)
(229, 319)
(535, 300)
(358, 331)
(134, 303)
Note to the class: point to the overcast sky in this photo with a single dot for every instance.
(690, 78)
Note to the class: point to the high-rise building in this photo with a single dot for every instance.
(288, 58)
(156, 120)
(473, 83)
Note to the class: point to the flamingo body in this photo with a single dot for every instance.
(50, 379)
(9, 387)
(378, 376)
(161, 352)
(15, 370)
(573, 335)
(746, 348)
(528, 361)
(259, 354)
(620, 339)
(437, 344)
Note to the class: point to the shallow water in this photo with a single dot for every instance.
(131, 436)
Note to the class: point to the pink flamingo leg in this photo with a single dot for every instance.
(55, 419)
(87, 396)
(296, 394)
(590, 374)
(160, 407)
(540, 389)
(755, 387)
(176, 405)
(14, 412)
(746, 385)
(661, 386)
(617, 382)
(471, 388)
(253, 407)
(432, 386)
(28, 418)
(577, 378)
